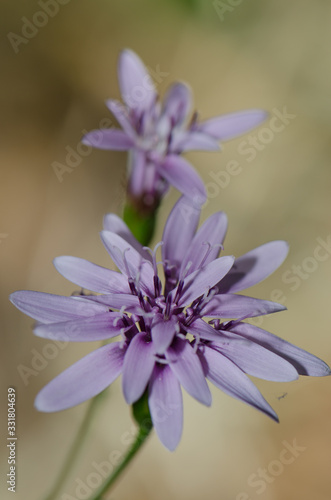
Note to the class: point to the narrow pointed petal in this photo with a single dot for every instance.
(137, 88)
(83, 380)
(179, 173)
(200, 281)
(137, 172)
(186, 365)
(255, 360)
(122, 116)
(200, 329)
(226, 127)
(91, 276)
(118, 301)
(190, 141)
(179, 231)
(254, 266)
(206, 244)
(177, 103)
(163, 333)
(108, 138)
(120, 251)
(137, 368)
(229, 378)
(99, 327)
(237, 306)
(48, 308)
(166, 406)
(115, 224)
(304, 362)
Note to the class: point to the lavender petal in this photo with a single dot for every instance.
(254, 266)
(178, 172)
(166, 406)
(138, 365)
(91, 276)
(99, 327)
(112, 139)
(226, 127)
(229, 378)
(49, 308)
(83, 380)
(304, 362)
(186, 365)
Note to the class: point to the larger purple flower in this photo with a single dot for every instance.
(156, 134)
(172, 335)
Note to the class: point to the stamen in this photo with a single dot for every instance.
(163, 361)
(210, 247)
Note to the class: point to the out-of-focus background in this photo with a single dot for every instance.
(57, 70)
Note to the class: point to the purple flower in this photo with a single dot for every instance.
(156, 134)
(172, 335)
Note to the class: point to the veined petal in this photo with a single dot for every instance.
(115, 224)
(254, 266)
(166, 406)
(137, 88)
(83, 380)
(229, 305)
(226, 127)
(304, 362)
(232, 380)
(120, 251)
(108, 138)
(194, 140)
(138, 365)
(200, 329)
(255, 360)
(186, 365)
(179, 231)
(91, 276)
(178, 172)
(117, 301)
(163, 333)
(206, 244)
(122, 116)
(177, 103)
(200, 281)
(49, 308)
(99, 327)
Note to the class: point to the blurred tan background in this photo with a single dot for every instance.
(266, 54)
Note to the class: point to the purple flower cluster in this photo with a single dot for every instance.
(179, 321)
(157, 133)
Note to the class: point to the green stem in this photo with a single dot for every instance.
(75, 448)
(140, 439)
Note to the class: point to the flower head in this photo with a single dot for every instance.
(180, 322)
(157, 133)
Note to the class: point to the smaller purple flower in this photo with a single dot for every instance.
(156, 134)
(180, 322)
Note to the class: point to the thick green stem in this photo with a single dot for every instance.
(141, 225)
(75, 448)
